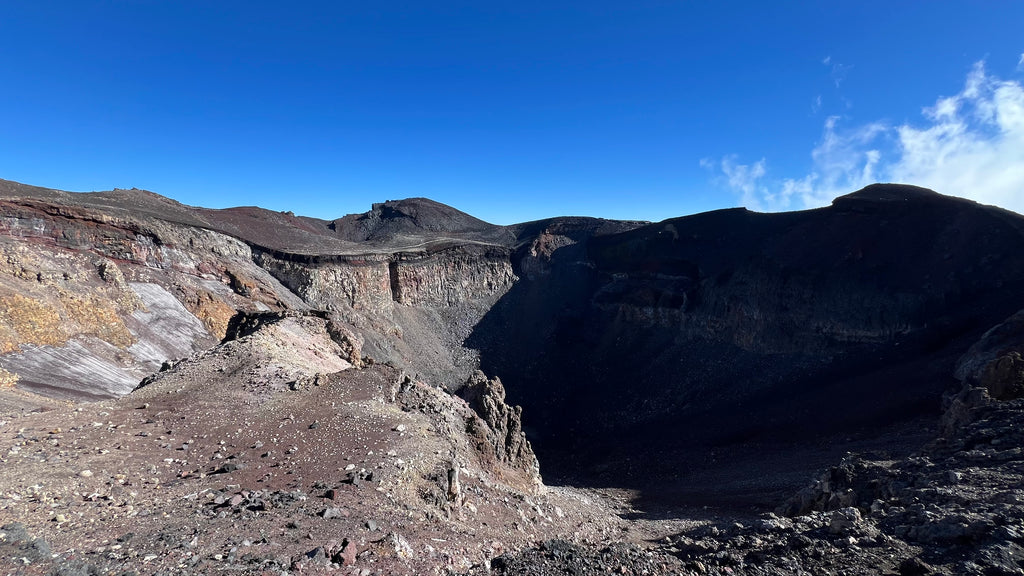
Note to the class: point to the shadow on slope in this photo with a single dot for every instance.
(722, 359)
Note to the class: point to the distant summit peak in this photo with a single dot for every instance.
(410, 217)
(889, 193)
(425, 213)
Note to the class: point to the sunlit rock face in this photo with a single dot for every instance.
(100, 289)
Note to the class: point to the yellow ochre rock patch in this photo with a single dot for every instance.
(7, 379)
(214, 312)
(53, 320)
(28, 321)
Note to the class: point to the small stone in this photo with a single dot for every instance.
(347, 555)
(350, 467)
(844, 519)
(227, 468)
(60, 518)
(914, 567)
(371, 525)
(85, 473)
(400, 428)
(331, 513)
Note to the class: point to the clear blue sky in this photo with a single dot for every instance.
(512, 111)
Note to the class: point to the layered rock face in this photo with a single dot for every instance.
(92, 303)
(729, 328)
(374, 283)
(100, 289)
(719, 359)
(653, 346)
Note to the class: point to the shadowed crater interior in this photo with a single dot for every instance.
(723, 358)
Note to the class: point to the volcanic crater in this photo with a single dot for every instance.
(414, 390)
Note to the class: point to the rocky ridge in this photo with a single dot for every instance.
(81, 273)
(294, 460)
(686, 375)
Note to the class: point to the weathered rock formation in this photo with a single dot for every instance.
(99, 289)
(718, 359)
(726, 328)
(93, 302)
(504, 423)
(704, 332)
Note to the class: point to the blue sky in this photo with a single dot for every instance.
(513, 111)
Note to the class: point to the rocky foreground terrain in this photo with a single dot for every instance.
(412, 390)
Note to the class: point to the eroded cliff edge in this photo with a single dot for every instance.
(665, 357)
(100, 289)
(678, 354)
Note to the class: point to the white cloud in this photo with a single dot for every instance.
(970, 145)
(1020, 63)
(973, 146)
(742, 178)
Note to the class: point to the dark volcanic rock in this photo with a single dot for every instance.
(415, 217)
(486, 396)
(809, 333)
(557, 557)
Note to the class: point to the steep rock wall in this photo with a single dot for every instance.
(333, 283)
(74, 281)
(89, 303)
(451, 277)
(731, 327)
(374, 282)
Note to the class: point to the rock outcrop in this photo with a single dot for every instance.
(98, 290)
(954, 507)
(504, 423)
(726, 325)
(842, 322)
(994, 363)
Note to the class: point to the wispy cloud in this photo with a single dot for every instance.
(744, 179)
(970, 145)
(1020, 63)
(837, 70)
